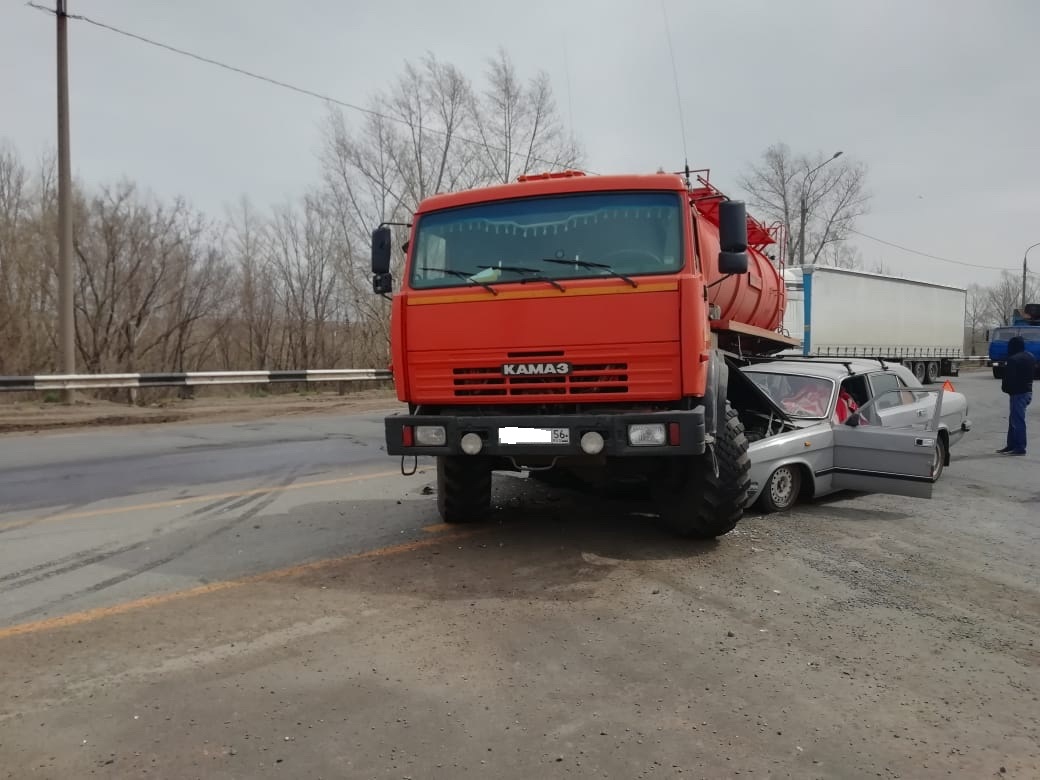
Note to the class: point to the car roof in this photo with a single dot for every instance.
(828, 368)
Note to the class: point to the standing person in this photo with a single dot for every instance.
(1018, 384)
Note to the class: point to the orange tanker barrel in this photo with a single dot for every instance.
(756, 298)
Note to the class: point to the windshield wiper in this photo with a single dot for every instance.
(544, 278)
(462, 275)
(587, 264)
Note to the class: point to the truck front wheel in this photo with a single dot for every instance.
(693, 501)
(463, 488)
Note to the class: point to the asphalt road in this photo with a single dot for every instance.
(273, 599)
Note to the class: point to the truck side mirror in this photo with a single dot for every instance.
(382, 284)
(382, 281)
(381, 250)
(733, 258)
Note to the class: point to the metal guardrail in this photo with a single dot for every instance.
(187, 379)
(208, 378)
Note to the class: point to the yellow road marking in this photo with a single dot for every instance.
(90, 615)
(437, 528)
(194, 499)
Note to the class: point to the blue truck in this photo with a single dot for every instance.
(1025, 322)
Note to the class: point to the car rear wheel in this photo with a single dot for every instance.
(781, 489)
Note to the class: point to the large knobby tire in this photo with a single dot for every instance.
(463, 488)
(693, 501)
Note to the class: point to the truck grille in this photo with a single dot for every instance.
(584, 379)
(598, 372)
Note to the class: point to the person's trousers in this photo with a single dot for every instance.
(1016, 438)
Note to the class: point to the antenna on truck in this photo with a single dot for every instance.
(678, 95)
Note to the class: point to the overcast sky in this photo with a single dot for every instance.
(940, 98)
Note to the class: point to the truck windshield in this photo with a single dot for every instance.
(1029, 333)
(630, 233)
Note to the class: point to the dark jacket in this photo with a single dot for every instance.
(1020, 368)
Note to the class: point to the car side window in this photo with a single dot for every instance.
(884, 386)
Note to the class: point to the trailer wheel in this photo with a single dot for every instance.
(693, 501)
(919, 371)
(463, 488)
(932, 372)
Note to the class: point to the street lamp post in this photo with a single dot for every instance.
(1025, 270)
(804, 207)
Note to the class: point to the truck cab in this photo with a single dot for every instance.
(1025, 322)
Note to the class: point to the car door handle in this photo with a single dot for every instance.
(920, 413)
(925, 442)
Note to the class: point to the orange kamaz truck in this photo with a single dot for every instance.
(582, 322)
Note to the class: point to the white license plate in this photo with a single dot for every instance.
(534, 435)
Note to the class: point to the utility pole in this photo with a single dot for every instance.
(1025, 270)
(803, 217)
(66, 321)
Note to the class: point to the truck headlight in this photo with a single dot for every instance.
(430, 435)
(647, 435)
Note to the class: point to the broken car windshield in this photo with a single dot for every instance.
(805, 397)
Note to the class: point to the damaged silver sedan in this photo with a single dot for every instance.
(819, 426)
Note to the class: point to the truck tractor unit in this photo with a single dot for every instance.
(1025, 322)
(575, 323)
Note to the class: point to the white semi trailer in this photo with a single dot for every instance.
(842, 313)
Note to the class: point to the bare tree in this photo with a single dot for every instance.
(802, 190)
(841, 254)
(977, 318)
(520, 129)
(249, 340)
(1005, 296)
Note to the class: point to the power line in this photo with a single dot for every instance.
(287, 85)
(929, 255)
(918, 252)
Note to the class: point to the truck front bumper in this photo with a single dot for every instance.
(512, 436)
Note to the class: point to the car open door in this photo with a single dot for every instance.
(873, 456)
